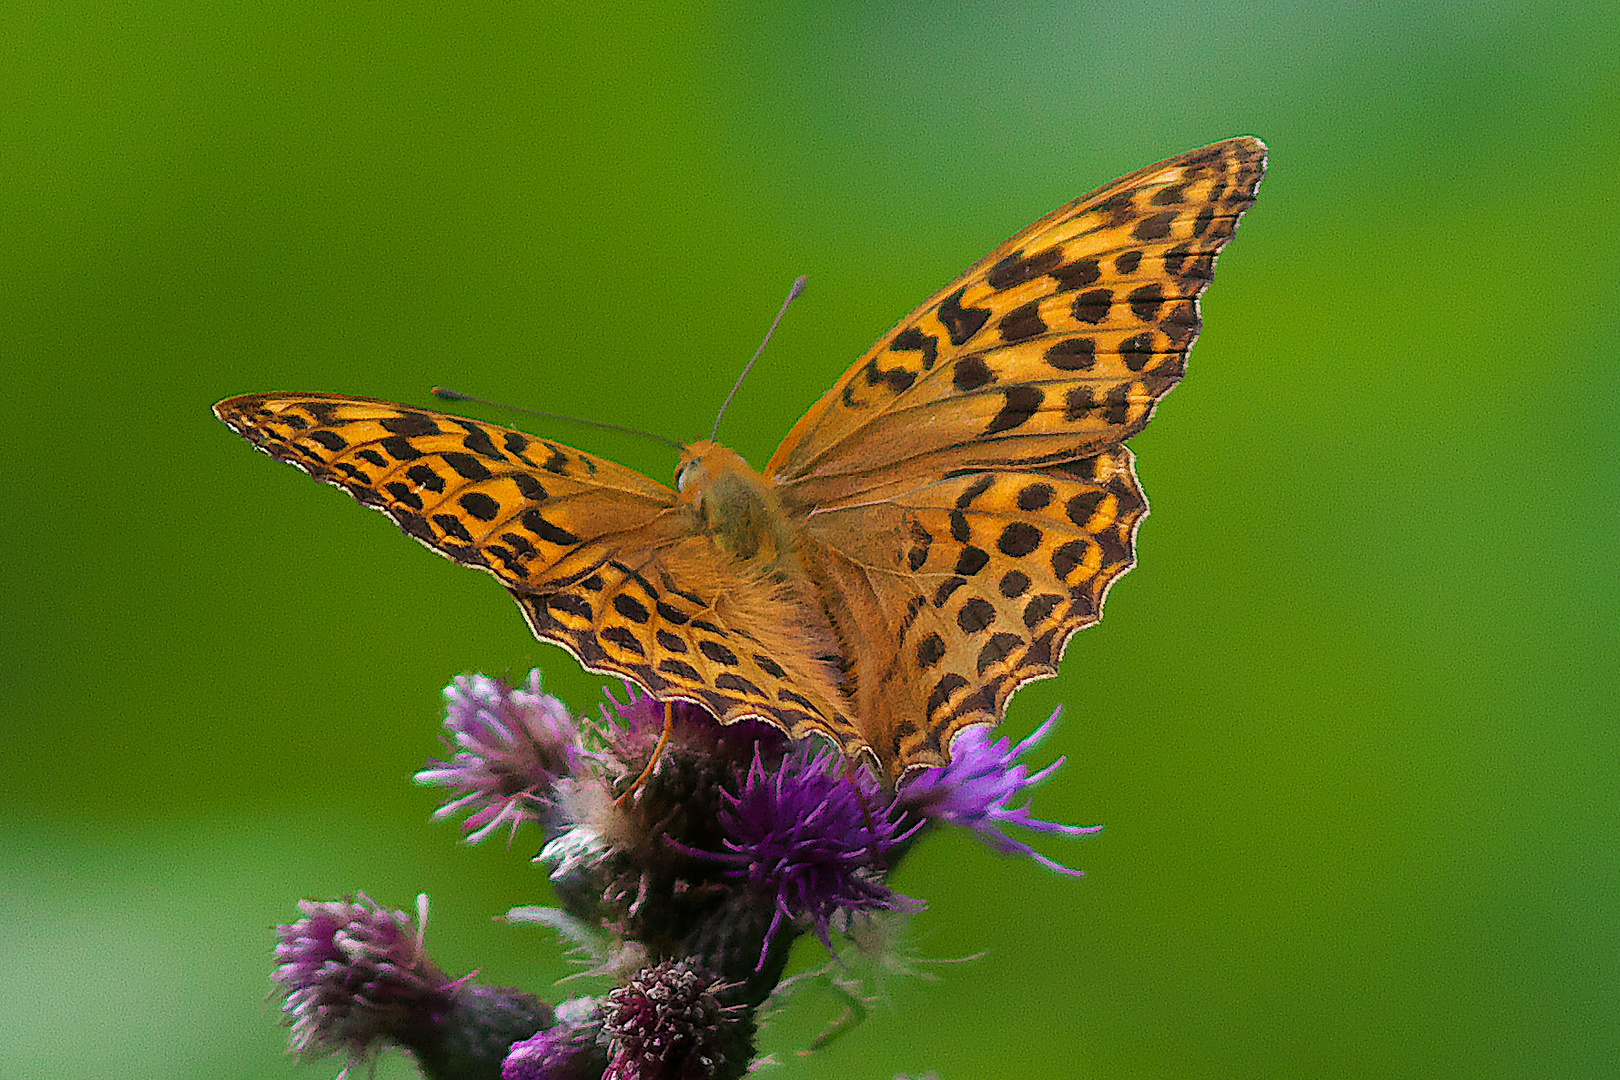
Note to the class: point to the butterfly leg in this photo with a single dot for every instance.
(658, 752)
(852, 767)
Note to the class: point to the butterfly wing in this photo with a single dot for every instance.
(602, 560)
(963, 490)
(1058, 343)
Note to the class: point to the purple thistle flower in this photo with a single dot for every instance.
(976, 790)
(813, 838)
(511, 747)
(355, 976)
(667, 1023)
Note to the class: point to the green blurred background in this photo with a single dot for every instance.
(1356, 750)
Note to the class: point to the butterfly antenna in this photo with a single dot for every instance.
(793, 294)
(447, 394)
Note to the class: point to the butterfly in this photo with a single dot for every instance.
(925, 540)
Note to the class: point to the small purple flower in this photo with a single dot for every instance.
(812, 837)
(356, 977)
(667, 1023)
(561, 1052)
(976, 790)
(512, 745)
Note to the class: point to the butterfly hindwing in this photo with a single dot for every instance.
(674, 625)
(996, 570)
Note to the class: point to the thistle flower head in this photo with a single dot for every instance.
(812, 837)
(512, 745)
(978, 788)
(668, 1023)
(355, 977)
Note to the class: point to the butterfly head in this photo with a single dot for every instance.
(732, 503)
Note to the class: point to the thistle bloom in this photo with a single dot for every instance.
(977, 789)
(357, 978)
(736, 842)
(813, 839)
(667, 1023)
(511, 746)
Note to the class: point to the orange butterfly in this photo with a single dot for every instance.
(925, 540)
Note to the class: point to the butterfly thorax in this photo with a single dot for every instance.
(734, 504)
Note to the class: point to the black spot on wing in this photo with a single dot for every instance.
(1092, 307)
(1040, 608)
(737, 684)
(410, 424)
(480, 506)
(452, 526)
(423, 476)
(971, 373)
(1016, 268)
(971, 561)
(468, 466)
(529, 487)
(536, 523)
(680, 669)
(400, 448)
(1022, 323)
(1076, 275)
(997, 649)
(1019, 539)
(912, 339)
(329, 439)
(1137, 351)
(717, 652)
(624, 638)
(478, 441)
(1155, 226)
(947, 685)
(404, 493)
(975, 615)
(1073, 354)
(631, 608)
(961, 323)
(1145, 300)
(1022, 402)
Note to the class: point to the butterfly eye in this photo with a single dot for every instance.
(683, 475)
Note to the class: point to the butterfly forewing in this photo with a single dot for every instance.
(601, 559)
(521, 508)
(1055, 346)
